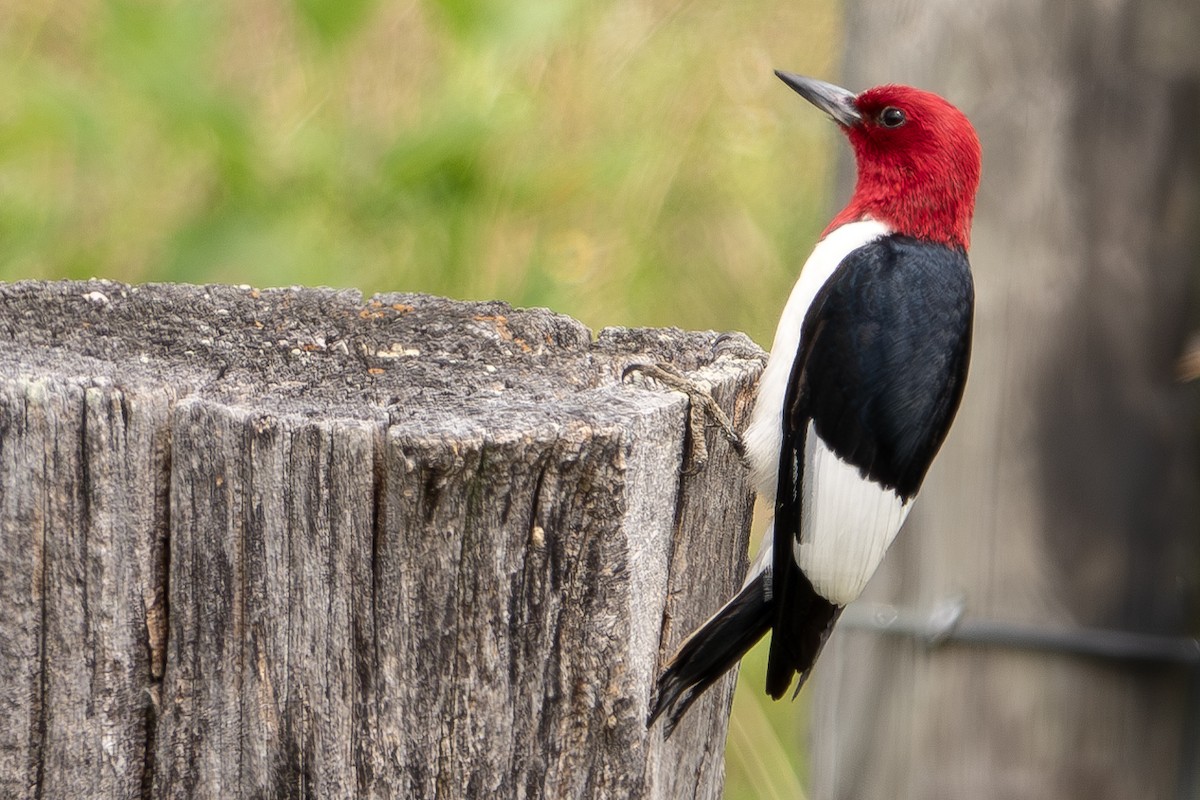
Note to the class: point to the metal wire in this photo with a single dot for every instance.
(946, 622)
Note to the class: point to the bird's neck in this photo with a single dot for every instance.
(933, 208)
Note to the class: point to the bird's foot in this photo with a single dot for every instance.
(739, 346)
(702, 408)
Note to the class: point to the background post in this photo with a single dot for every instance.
(1066, 494)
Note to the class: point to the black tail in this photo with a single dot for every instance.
(708, 653)
(798, 636)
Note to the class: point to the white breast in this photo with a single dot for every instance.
(764, 435)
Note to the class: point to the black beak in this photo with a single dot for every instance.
(833, 100)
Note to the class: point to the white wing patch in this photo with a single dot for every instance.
(847, 522)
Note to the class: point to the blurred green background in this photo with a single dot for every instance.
(627, 162)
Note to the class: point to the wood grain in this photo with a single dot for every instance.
(294, 543)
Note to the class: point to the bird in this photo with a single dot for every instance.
(864, 377)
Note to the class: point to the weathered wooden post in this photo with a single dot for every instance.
(293, 544)
(1066, 496)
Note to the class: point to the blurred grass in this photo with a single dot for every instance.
(628, 162)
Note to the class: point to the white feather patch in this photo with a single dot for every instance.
(764, 435)
(762, 559)
(847, 523)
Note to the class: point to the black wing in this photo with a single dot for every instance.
(880, 373)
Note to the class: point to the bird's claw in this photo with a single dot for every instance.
(702, 408)
(737, 345)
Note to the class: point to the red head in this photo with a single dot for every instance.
(918, 158)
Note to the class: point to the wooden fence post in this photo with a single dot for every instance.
(293, 544)
(1066, 495)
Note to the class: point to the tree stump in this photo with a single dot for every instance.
(290, 543)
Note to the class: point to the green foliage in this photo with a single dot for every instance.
(333, 20)
(624, 161)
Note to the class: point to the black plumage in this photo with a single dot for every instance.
(884, 362)
(880, 373)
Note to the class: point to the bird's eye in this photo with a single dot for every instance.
(892, 117)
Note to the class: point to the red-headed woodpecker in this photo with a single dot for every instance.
(864, 377)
